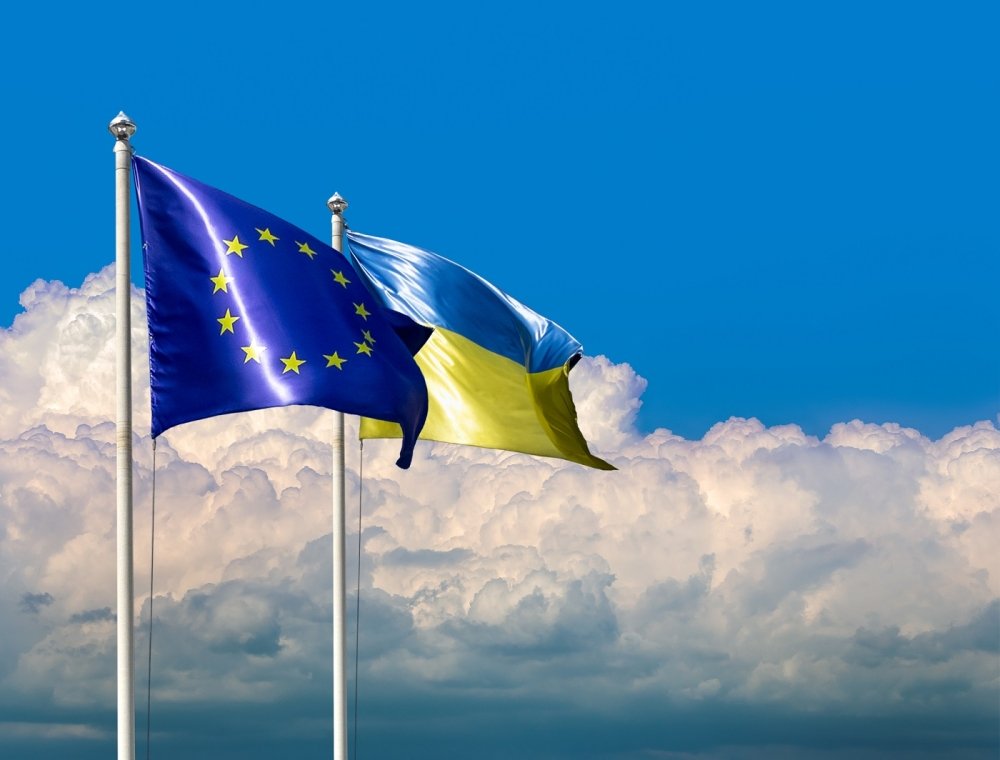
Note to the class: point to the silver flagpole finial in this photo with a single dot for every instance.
(122, 127)
(337, 204)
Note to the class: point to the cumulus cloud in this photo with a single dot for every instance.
(755, 569)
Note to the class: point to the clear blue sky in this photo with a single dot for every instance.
(774, 210)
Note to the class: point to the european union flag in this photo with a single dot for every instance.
(247, 311)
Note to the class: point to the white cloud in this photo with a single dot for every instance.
(754, 566)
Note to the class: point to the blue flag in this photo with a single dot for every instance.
(247, 311)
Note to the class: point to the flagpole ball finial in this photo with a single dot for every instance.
(337, 204)
(122, 127)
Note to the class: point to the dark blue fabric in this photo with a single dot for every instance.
(286, 300)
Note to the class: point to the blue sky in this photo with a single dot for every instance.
(781, 213)
(769, 210)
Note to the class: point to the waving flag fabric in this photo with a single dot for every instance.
(247, 311)
(497, 373)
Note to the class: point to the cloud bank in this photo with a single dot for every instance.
(756, 592)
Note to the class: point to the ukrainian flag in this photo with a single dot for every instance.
(497, 373)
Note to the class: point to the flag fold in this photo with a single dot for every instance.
(247, 311)
(497, 373)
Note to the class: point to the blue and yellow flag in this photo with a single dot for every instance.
(247, 311)
(497, 373)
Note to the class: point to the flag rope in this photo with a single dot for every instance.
(357, 597)
(149, 657)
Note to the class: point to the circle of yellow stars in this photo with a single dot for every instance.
(255, 352)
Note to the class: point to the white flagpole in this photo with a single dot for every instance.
(337, 205)
(123, 128)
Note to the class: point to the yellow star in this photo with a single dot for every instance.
(227, 323)
(292, 363)
(364, 348)
(368, 337)
(235, 246)
(339, 278)
(253, 352)
(221, 282)
(266, 236)
(334, 360)
(304, 248)
(361, 311)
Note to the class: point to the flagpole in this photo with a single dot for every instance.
(123, 128)
(337, 205)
